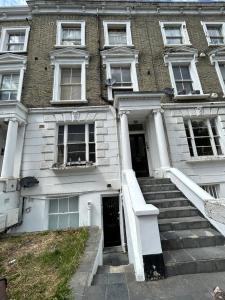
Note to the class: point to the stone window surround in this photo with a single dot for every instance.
(60, 25)
(216, 60)
(183, 59)
(111, 23)
(65, 141)
(5, 33)
(68, 57)
(204, 25)
(10, 63)
(184, 33)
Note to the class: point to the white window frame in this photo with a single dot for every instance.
(191, 62)
(5, 34)
(65, 163)
(133, 75)
(127, 25)
(12, 63)
(213, 145)
(204, 25)
(60, 25)
(184, 33)
(217, 62)
(64, 213)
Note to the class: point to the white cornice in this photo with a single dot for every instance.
(192, 105)
(13, 13)
(69, 53)
(12, 59)
(119, 52)
(47, 110)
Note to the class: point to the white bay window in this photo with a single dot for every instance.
(76, 144)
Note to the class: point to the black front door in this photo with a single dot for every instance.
(111, 223)
(139, 155)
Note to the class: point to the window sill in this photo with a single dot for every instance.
(112, 46)
(61, 102)
(191, 96)
(8, 51)
(80, 167)
(202, 159)
(177, 45)
(216, 45)
(69, 46)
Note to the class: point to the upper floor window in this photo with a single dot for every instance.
(76, 144)
(14, 39)
(182, 78)
(174, 33)
(121, 76)
(70, 33)
(215, 33)
(69, 75)
(117, 33)
(203, 137)
(9, 86)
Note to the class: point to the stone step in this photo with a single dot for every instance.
(108, 278)
(115, 269)
(195, 222)
(194, 260)
(158, 187)
(195, 238)
(162, 195)
(152, 181)
(174, 202)
(178, 212)
(107, 292)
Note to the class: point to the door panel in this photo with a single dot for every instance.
(139, 155)
(111, 223)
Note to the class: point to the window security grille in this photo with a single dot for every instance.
(212, 190)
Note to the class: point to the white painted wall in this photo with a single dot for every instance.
(201, 172)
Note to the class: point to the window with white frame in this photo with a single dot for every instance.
(212, 190)
(70, 33)
(174, 33)
(215, 32)
(184, 76)
(9, 86)
(117, 33)
(63, 213)
(14, 39)
(76, 144)
(203, 137)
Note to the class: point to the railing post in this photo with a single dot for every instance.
(125, 142)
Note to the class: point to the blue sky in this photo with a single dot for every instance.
(23, 2)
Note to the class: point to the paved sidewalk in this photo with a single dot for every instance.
(182, 287)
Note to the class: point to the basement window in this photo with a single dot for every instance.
(63, 213)
(212, 190)
(76, 144)
(203, 137)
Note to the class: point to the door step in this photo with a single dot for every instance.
(177, 212)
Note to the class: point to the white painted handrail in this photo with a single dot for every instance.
(141, 224)
(195, 194)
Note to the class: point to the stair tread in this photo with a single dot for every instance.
(172, 257)
(184, 219)
(177, 208)
(167, 199)
(189, 233)
(161, 192)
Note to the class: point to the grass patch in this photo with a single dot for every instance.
(38, 266)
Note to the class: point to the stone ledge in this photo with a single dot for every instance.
(82, 279)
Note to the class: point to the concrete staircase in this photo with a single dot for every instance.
(110, 281)
(190, 244)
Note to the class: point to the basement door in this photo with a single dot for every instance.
(111, 221)
(139, 155)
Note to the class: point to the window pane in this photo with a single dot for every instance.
(4, 95)
(63, 205)
(177, 73)
(187, 87)
(185, 72)
(222, 69)
(53, 222)
(66, 75)
(126, 75)
(60, 135)
(65, 93)
(76, 153)
(174, 40)
(60, 154)
(6, 82)
(173, 31)
(76, 92)
(53, 206)
(116, 74)
(92, 152)
(17, 38)
(76, 133)
(71, 36)
(63, 221)
(91, 132)
(73, 204)
(117, 36)
(74, 220)
(76, 75)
